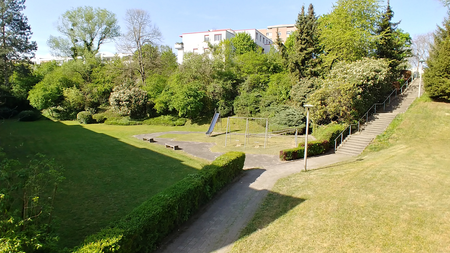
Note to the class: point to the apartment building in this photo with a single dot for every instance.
(197, 42)
(284, 31)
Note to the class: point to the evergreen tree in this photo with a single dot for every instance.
(15, 35)
(437, 75)
(304, 61)
(280, 46)
(390, 44)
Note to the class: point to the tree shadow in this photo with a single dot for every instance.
(106, 177)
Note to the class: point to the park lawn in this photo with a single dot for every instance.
(392, 198)
(108, 172)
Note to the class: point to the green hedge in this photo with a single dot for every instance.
(146, 226)
(85, 117)
(325, 135)
(165, 120)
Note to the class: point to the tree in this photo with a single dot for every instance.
(391, 45)
(84, 29)
(127, 99)
(243, 43)
(304, 58)
(15, 35)
(421, 46)
(348, 32)
(437, 75)
(140, 32)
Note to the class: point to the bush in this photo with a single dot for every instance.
(85, 117)
(128, 100)
(165, 120)
(28, 115)
(144, 228)
(99, 117)
(123, 121)
(7, 113)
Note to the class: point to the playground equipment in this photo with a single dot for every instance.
(251, 129)
(213, 123)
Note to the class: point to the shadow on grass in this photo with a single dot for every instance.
(105, 178)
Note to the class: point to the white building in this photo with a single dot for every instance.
(197, 42)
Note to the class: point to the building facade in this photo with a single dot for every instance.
(284, 31)
(197, 42)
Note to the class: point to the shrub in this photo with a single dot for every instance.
(128, 100)
(144, 228)
(165, 120)
(123, 121)
(99, 117)
(28, 115)
(6, 113)
(85, 117)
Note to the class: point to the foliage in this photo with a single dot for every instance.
(122, 121)
(304, 58)
(437, 75)
(28, 115)
(289, 117)
(145, 227)
(165, 120)
(348, 32)
(7, 113)
(27, 196)
(391, 44)
(329, 132)
(84, 29)
(127, 99)
(349, 90)
(243, 43)
(15, 35)
(314, 148)
(85, 117)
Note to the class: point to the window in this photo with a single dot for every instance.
(217, 37)
(206, 38)
(288, 32)
(195, 50)
(269, 34)
(279, 34)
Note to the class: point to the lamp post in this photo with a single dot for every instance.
(306, 136)
(420, 73)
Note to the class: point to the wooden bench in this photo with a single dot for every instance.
(148, 139)
(174, 147)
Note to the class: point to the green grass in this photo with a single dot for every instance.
(392, 198)
(108, 172)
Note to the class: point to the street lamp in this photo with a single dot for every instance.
(307, 130)
(420, 73)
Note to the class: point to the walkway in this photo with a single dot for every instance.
(218, 225)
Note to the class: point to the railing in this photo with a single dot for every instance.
(359, 126)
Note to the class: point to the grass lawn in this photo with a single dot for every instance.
(392, 198)
(108, 172)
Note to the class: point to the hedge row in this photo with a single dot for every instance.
(327, 135)
(146, 226)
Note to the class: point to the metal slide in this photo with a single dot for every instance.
(213, 123)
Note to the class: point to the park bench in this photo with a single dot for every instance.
(174, 147)
(148, 139)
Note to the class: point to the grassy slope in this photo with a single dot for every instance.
(391, 200)
(108, 172)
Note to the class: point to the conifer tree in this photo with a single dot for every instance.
(280, 46)
(437, 75)
(15, 35)
(304, 60)
(390, 45)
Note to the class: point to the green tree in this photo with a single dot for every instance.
(243, 43)
(304, 57)
(84, 30)
(348, 33)
(15, 35)
(437, 75)
(393, 44)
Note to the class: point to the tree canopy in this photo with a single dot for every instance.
(84, 30)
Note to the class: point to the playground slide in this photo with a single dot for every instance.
(213, 123)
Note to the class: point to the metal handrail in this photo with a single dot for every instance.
(366, 115)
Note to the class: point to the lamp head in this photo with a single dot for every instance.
(308, 106)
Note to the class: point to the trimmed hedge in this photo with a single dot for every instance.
(326, 135)
(85, 117)
(146, 226)
(165, 120)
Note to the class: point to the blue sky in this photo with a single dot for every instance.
(175, 17)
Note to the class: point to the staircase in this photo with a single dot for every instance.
(356, 143)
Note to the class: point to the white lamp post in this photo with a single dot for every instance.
(306, 136)
(420, 73)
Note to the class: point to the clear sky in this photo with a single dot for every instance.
(175, 17)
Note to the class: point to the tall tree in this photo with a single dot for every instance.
(243, 43)
(390, 45)
(421, 46)
(140, 32)
(348, 32)
(84, 29)
(304, 60)
(437, 75)
(15, 35)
